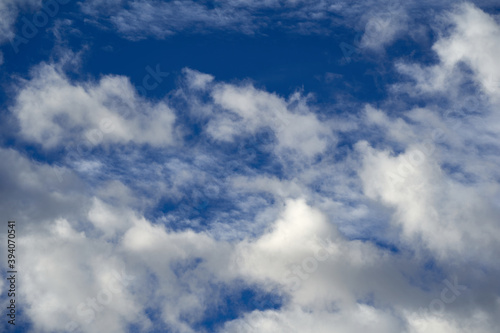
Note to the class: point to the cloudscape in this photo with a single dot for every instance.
(250, 166)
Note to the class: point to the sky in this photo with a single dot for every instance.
(251, 166)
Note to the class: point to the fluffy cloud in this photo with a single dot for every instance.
(443, 196)
(385, 26)
(52, 111)
(112, 255)
(395, 230)
(473, 41)
(63, 289)
(294, 126)
(111, 111)
(442, 213)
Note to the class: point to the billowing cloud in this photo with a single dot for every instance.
(378, 219)
(52, 110)
(251, 110)
(444, 198)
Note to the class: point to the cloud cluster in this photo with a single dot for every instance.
(239, 110)
(395, 230)
(442, 185)
(53, 111)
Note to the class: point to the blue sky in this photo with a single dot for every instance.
(252, 166)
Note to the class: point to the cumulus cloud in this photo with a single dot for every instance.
(255, 109)
(60, 295)
(51, 110)
(445, 210)
(444, 214)
(381, 221)
(472, 40)
(111, 111)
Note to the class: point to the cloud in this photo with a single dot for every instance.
(475, 42)
(161, 19)
(431, 207)
(361, 318)
(439, 190)
(382, 220)
(383, 27)
(53, 111)
(472, 40)
(111, 111)
(59, 294)
(157, 19)
(294, 126)
(324, 278)
(9, 10)
(25, 181)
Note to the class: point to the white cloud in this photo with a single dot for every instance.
(361, 318)
(63, 271)
(383, 27)
(443, 214)
(197, 80)
(53, 111)
(472, 40)
(420, 323)
(430, 175)
(475, 40)
(324, 277)
(62, 264)
(439, 209)
(251, 110)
